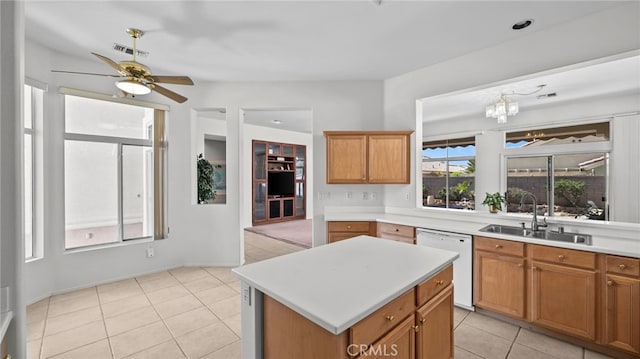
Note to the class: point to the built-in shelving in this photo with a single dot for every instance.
(278, 182)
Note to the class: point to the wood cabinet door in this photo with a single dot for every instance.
(499, 283)
(346, 159)
(397, 343)
(388, 159)
(435, 327)
(622, 300)
(564, 299)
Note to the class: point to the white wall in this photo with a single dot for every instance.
(199, 235)
(585, 39)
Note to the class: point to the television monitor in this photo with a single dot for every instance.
(281, 184)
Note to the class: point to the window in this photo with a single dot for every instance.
(110, 174)
(448, 173)
(32, 165)
(566, 169)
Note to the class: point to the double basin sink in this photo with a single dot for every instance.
(548, 235)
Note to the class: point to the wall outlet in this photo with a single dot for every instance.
(323, 196)
(365, 196)
(406, 196)
(374, 196)
(349, 195)
(150, 252)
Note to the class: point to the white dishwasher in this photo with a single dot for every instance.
(462, 267)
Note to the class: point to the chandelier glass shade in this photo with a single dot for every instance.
(133, 87)
(501, 109)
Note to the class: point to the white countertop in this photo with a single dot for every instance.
(600, 245)
(337, 285)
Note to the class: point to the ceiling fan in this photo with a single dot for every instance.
(136, 78)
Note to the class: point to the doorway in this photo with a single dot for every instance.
(278, 145)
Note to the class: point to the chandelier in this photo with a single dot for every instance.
(506, 106)
(502, 108)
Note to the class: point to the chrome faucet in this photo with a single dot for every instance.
(534, 222)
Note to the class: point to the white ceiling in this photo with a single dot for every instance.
(610, 78)
(290, 40)
(298, 120)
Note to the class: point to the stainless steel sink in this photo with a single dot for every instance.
(548, 235)
(563, 237)
(514, 231)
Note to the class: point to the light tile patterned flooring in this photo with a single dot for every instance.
(194, 312)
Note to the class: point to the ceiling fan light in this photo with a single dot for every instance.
(133, 87)
(502, 118)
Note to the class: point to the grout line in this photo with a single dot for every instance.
(104, 323)
(513, 342)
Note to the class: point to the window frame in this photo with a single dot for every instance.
(457, 141)
(157, 143)
(551, 152)
(37, 92)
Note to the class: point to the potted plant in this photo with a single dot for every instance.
(205, 180)
(494, 201)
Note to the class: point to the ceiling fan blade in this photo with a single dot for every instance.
(170, 94)
(84, 73)
(121, 70)
(177, 80)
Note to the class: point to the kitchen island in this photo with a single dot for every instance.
(362, 295)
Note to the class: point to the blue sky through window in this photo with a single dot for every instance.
(459, 151)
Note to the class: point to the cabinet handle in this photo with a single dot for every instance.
(498, 246)
(416, 328)
(520, 265)
(348, 227)
(534, 268)
(622, 267)
(439, 282)
(397, 230)
(561, 258)
(609, 283)
(389, 317)
(423, 320)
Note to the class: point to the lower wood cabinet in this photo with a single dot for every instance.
(433, 342)
(622, 303)
(500, 277)
(590, 296)
(416, 324)
(397, 343)
(563, 290)
(564, 299)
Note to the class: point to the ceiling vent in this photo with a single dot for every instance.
(129, 51)
(547, 95)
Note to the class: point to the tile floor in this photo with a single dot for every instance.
(194, 312)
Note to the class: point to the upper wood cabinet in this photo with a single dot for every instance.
(368, 156)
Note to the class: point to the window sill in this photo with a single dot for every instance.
(33, 259)
(110, 245)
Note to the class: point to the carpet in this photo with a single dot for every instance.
(296, 232)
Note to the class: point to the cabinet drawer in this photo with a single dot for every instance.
(429, 288)
(339, 236)
(623, 265)
(564, 256)
(362, 227)
(396, 230)
(369, 329)
(393, 237)
(499, 246)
